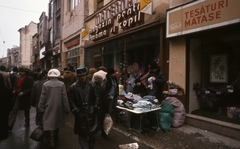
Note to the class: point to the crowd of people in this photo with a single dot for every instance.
(89, 94)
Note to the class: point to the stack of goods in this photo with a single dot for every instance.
(138, 103)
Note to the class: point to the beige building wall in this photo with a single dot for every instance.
(72, 25)
(177, 61)
(26, 34)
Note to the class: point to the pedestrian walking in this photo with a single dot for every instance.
(103, 102)
(90, 74)
(69, 77)
(36, 93)
(5, 107)
(54, 105)
(102, 71)
(111, 86)
(14, 76)
(6, 77)
(21, 97)
(84, 104)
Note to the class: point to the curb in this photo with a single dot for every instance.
(138, 139)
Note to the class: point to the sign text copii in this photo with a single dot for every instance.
(126, 13)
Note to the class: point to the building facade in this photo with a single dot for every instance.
(12, 56)
(25, 52)
(72, 24)
(119, 35)
(204, 40)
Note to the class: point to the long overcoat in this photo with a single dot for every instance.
(54, 103)
(84, 103)
(26, 88)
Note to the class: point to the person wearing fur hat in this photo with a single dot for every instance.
(84, 104)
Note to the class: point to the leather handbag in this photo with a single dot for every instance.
(37, 134)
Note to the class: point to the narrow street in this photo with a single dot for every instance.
(19, 136)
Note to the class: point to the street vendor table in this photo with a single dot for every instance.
(141, 114)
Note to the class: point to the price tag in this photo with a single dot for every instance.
(207, 92)
(230, 90)
(218, 93)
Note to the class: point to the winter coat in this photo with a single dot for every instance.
(54, 103)
(103, 104)
(35, 97)
(26, 88)
(69, 78)
(140, 90)
(100, 73)
(84, 103)
(107, 84)
(36, 91)
(157, 84)
(5, 108)
(14, 77)
(7, 79)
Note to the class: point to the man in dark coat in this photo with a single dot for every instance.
(84, 104)
(36, 93)
(111, 86)
(155, 85)
(22, 95)
(103, 102)
(139, 88)
(5, 107)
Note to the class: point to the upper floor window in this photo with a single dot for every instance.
(99, 4)
(51, 10)
(73, 4)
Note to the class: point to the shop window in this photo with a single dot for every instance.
(72, 53)
(58, 26)
(215, 67)
(141, 48)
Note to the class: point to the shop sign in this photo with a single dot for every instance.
(85, 34)
(55, 50)
(41, 53)
(202, 15)
(146, 6)
(72, 43)
(126, 13)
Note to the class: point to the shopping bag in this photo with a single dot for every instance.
(107, 124)
(37, 134)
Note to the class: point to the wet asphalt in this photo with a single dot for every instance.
(19, 136)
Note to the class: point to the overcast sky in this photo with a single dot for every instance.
(15, 14)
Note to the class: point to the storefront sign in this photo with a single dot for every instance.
(146, 6)
(55, 50)
(126, 13)
(41, 53)
(85, 34)
(202, 15)
(72, 43)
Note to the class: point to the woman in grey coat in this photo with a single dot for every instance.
(54, 103)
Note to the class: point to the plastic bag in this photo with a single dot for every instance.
(37, 134)
(107, 124)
